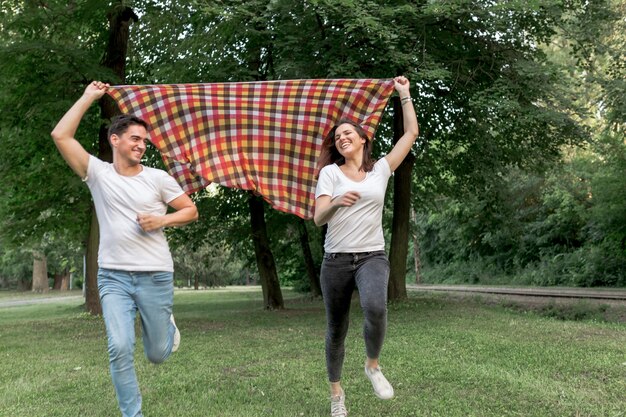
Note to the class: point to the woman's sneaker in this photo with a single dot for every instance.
(338, 406)
(382, 387)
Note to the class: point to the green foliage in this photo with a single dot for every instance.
(609, 183)
(48, 53)
(489, 101)
(472, 271)
(224, 223)
(212, 265)
(16, 267)
(566, 227)
(488, 98)
(78, 282)
(486, 94)
(600, 264)
(285, 238)
(16, 262)
(602, 55)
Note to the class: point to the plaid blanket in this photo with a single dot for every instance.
(260, 136)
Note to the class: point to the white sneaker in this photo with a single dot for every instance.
(337, 406)
(382, 387)
(176, 343)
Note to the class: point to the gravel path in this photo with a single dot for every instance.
(41, 300)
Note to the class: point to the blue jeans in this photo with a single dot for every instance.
(340, 274)
(122, 295)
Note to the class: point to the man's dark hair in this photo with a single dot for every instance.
(120, 124)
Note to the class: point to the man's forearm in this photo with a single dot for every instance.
(67, 126)
(181, 217)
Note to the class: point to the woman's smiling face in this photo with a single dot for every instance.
(347, 140)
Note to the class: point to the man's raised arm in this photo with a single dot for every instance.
(63, 134)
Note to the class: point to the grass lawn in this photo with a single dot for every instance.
(445, 357)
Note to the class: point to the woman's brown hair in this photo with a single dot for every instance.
(330, 154)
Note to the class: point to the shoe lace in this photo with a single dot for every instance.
(377, 374)
(337, 407)
(378, 379)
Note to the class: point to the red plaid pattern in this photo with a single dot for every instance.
(260, 136)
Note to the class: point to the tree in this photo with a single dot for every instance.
(46, 52)
(40, 272)
(64, 42)
(401, 211)
(120, 18)
(251, 47)
(210, 264)
(16, 267)
(272, 296)
(552, 227)
(488, 99)
(311, 268)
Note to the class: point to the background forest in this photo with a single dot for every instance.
(518, 176)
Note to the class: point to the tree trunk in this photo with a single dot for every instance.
(90, 285)
(62, 280)
(65, 280)
(56, 283)
(416, 250)
(311, 269)
(401, 209)
(120, 19)
(23, 284)
(40, 272)
(272, 295)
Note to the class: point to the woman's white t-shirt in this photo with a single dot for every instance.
(357, 228)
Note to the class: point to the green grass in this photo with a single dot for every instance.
(446, 357)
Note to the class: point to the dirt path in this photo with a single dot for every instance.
(40, 300)
(533, 295)
(616, 294)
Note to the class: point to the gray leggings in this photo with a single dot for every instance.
(341, 272)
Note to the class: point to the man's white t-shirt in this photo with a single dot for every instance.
(118, 199)
(357, 228)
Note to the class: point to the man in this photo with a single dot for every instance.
(135, 271)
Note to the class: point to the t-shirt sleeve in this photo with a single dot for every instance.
(324, 183)
(170, 189)
(94, 167)
(383, 165)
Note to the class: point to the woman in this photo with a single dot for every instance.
(349, 197)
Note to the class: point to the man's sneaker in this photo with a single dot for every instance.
(338, 406)
(382, 387)
(176, 343)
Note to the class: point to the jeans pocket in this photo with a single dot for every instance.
(162, 277)
(103, 275)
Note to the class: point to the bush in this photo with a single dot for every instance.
(476, 271)
(78, 283)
